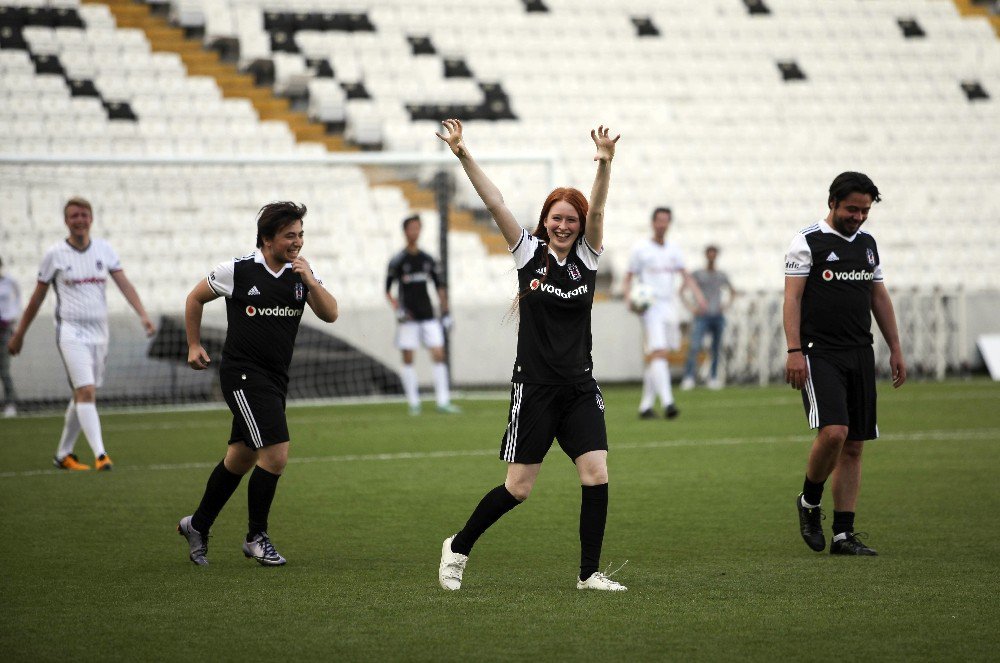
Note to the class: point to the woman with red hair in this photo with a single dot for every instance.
(554, 394)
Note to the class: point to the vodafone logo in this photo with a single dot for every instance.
(534, 284)
(827, 274)
(275, 312)
(854, 275)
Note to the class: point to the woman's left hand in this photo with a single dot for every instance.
(605, 145)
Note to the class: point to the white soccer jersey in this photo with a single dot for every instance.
(79, 279)
(658, 266)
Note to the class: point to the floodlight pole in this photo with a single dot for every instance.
(443, 187)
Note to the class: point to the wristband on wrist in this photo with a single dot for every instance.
(791, 350)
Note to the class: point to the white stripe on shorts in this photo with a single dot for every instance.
(811, 395)
(241, 401)
(515, 417)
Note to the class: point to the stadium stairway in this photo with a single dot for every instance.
(233, 83)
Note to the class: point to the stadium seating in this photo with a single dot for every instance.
(713, 124)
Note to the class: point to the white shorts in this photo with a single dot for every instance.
(662, 327)
(84, 362)
(411, 335)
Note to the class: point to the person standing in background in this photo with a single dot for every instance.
(712, 320)
(10, 310)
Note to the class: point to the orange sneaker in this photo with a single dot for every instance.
(70, 462)
(103, 462)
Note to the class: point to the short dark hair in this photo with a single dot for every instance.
(410, 219)
(272, 217)
(711, 247)
(850, 182)
(661, 209)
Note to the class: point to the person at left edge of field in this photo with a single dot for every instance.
(413, 269)
(77, 269)
(554, 395)
(266, 293)
(10, 310)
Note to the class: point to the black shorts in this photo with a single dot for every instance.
(840, 391)
(257, 402)
(571, 413)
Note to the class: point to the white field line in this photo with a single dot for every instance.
(943, 435)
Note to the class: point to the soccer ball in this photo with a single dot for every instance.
(641, 297)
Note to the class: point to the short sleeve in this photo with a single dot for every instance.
(679, 260)
(588, 256)
(111, 259)
(222, 279)
(635, 261)
(47, 270)
(525, 249)
(798, 260)
(319, 279)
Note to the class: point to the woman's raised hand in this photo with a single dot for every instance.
(605, 145)
(453, 136)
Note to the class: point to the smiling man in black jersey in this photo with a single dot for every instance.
(266, 293)
(833, 286)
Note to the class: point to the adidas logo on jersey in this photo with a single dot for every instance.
(254, 291)
(832, 257)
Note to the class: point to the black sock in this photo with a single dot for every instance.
(489, 510)
(260, 494)
(812, 492)
(843, 521)
(593, 516)
(221, 485)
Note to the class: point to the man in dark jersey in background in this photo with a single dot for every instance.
(833, 285)
(266, 293)
(415, 269)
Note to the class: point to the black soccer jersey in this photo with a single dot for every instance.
(413, 271)
(839, 272)
(264, 310)
(554, 339)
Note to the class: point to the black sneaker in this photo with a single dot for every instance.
(852, 545)
(671, 411)
(647, 414)
(810, 525)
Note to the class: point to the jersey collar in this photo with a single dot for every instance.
(827, 228)
(258, 257)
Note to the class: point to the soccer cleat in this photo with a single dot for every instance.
(647, 414)
(196, 540)
(260, 549)
(103, 462)
(10, 411)
(414, 410)
(687, 384)
(671, 411)
(70, 462)
(715, 384)
(449, 409)
(452, 566)
(852, 545)
(598, 580)
(810, 526)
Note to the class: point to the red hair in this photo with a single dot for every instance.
(567, 194)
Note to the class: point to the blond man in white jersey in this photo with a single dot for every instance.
(77, 269)
(660, 265)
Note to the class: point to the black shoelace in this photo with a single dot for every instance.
(265, 543)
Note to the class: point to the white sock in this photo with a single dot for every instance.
(409, 376)
(648, 395)
(661, 379)
(71, 430)
(806, 505)
(441, 384)
(91, 424)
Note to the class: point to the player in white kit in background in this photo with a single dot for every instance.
(77, 269)
(658, 264)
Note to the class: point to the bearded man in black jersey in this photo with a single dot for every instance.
(266, 293)
(833, 286)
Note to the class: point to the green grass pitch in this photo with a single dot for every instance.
(701, 507)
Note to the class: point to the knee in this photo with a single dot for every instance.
(87, 394)
(851, 450)
(437, 355)
(519, 490)
(833, 435)
(594, 476)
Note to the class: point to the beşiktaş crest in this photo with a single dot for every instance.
(871, 257)
(299, 292)
(574, 271)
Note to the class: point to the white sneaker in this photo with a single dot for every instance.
(715, 384)
(598, 580)
(687, 384)
(452, 566)
(10, 411)
(261, 549)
